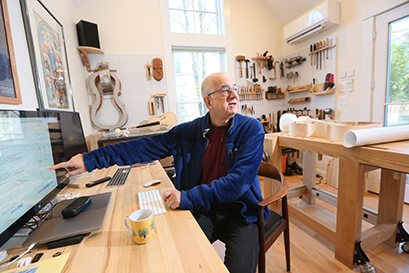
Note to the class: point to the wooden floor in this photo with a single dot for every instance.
(310, 252)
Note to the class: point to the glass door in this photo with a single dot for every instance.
(391, 71)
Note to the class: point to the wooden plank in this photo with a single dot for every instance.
(349, 213)
(391, 196)
(297, 191)
(378, 234)
(311, 218)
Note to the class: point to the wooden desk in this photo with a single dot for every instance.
(179, 245)
(392, 158)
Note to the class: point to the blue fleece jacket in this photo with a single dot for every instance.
(187, 143)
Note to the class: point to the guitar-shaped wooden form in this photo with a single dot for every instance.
(96, 93)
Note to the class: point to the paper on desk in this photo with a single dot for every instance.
(53, 265)
(354, 138)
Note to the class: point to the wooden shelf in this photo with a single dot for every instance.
(300, 100)
(84, 51)
(275, 96)
(296, 89)
(90, 50)
(319, 90)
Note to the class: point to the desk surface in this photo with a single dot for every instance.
(391, 155)
(179, 245)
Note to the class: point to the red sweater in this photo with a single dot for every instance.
(214, 160)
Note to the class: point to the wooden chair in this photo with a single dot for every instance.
(271, 229)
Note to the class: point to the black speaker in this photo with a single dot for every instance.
(87, 34)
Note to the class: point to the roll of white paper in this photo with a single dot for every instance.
(361, 137)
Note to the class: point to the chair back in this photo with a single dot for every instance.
(271, 229)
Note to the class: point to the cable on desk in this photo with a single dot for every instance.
(21, 255)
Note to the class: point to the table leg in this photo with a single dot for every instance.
(309, 166)
(391, 196)
(351, 188)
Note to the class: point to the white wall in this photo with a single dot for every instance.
(134, 27)
(66, 13)
(349, 53)
(26, 83)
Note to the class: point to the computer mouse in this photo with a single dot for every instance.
(151, 182)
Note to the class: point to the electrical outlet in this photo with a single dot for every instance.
(343, 101)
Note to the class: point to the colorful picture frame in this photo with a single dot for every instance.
(9, 84)
(46, 44)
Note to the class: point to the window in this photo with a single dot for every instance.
(191, 67)
(397, 83)
(197, 42)
(391, 67)
(195, 16)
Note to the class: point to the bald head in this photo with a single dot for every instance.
(214, 82)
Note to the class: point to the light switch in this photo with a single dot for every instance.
(342, 74)
(350, 85)
(342, 87)
(350, 73)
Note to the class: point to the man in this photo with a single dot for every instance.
(216, 160)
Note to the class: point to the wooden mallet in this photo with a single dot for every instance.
(240, 58)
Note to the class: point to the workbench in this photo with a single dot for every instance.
(392, 158)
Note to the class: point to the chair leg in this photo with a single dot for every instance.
(262, 262)
(287, 247)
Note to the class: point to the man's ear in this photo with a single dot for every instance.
(207, 101)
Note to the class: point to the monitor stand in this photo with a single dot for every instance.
(89, 220)
(67, 241)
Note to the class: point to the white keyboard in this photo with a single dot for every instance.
(151, 200)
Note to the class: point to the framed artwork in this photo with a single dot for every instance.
(9, 86)
(46, 44)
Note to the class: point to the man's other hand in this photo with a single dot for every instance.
(172, 198)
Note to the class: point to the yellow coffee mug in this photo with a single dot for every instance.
(142, 225)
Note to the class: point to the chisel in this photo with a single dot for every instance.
(320, 55)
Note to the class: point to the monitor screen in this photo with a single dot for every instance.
(25, 154)
(30, 141)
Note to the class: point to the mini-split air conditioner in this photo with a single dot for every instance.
(322, 17)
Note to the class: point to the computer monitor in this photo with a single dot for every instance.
(25, 154)
(30, 141)
(66, 135)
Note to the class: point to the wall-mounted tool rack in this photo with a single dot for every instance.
(251, 93)
(274, 96)
(299, 100)
(321, 49)
(301, 88)
(319, 90)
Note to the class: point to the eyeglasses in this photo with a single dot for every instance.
(226, 90)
